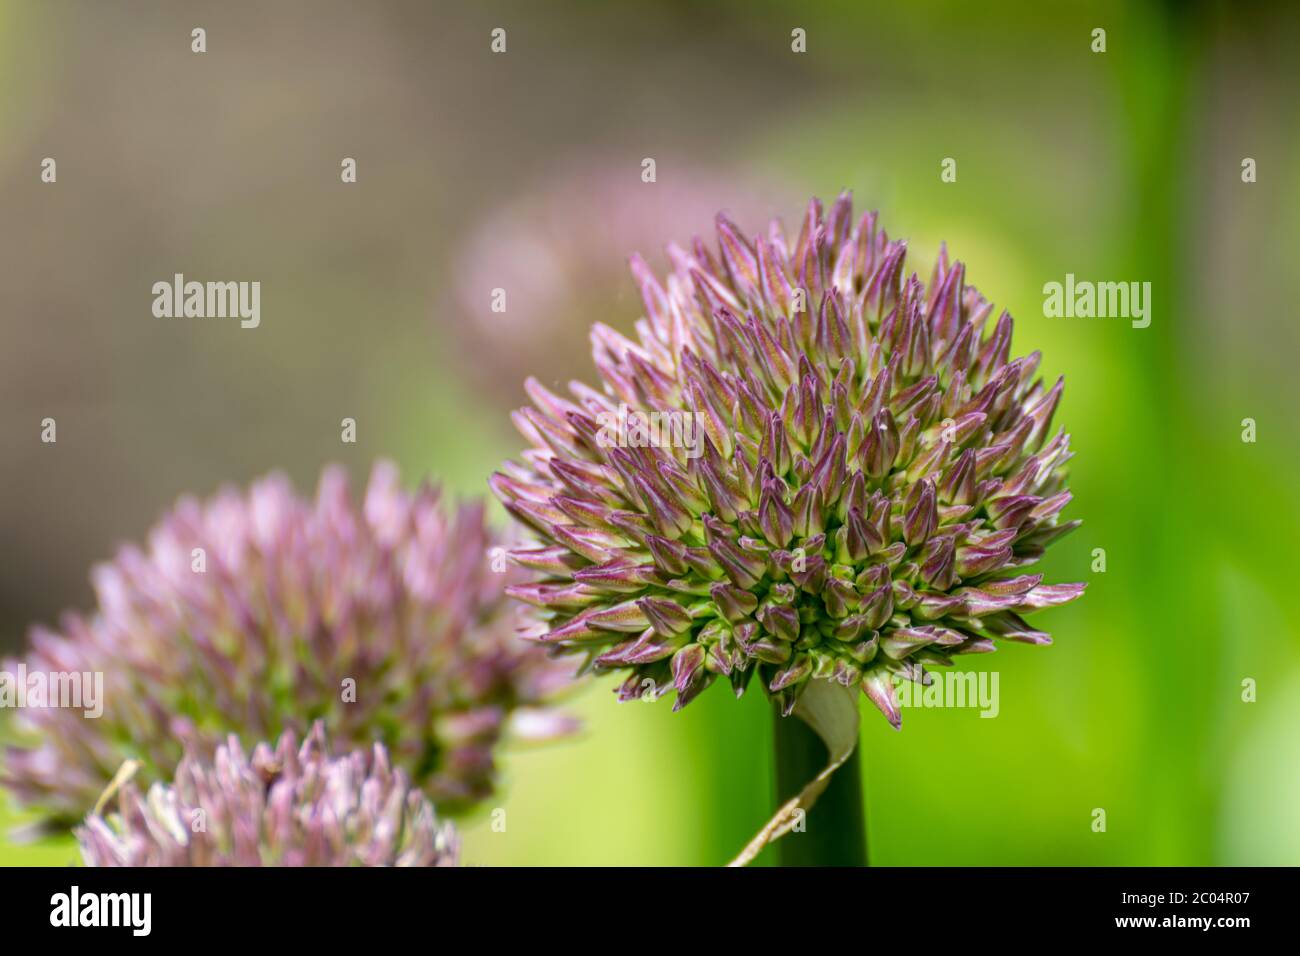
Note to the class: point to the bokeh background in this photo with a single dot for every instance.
(522, 171)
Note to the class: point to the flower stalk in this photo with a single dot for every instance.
(834, 829)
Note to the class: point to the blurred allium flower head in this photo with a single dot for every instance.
(875, 473)
(289, 806)
(259, 612)
(550, 249)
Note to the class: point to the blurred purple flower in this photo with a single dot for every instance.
(289, 806)
(805, 467)
(261, 612)
(551, 251)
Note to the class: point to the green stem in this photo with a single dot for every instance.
(835, 832)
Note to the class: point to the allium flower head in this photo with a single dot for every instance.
(289, 806)
(874, 475)
(260, 612)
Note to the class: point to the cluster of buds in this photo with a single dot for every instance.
(258, 613)
(291, 806)
(875, 475)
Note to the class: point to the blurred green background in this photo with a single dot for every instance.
(522, 171)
